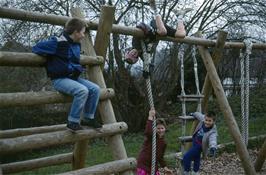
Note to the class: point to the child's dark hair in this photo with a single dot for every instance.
(212, 115)
(160, 121)
(74, 24)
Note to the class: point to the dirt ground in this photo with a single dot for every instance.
(226, 164)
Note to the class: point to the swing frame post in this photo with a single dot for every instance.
(261, 157)
(227, 111)
(105, 107)
(216, 56)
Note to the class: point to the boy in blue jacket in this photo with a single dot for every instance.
(63, 67)
(204, 137)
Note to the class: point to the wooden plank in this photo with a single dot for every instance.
(37, 163)
(190, 98)
(107, 168)
(12, 145)
(33, 60)
(226, 110)
(42, 97)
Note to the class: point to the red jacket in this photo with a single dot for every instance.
(145, 155)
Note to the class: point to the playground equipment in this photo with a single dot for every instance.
(12, 141)
(114, 141)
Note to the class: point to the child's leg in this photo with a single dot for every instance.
(190, 155)
(161, 30)
(180, 29)
(196, 165)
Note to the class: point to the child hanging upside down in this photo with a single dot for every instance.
(145, 155)
(157, 27)
(204, 137)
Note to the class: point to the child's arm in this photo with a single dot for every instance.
(213, 144)
(198, 116)
(45, 48)
(151, 118)
(213, 140)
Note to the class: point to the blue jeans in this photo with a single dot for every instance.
(85, 97)
(193, 154)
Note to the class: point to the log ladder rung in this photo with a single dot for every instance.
(185, 139)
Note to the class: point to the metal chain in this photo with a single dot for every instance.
(196, 76)
(147, 60)
(244, 81)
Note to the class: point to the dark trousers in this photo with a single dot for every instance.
(193, 154)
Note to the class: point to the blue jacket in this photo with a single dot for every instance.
(63, 56)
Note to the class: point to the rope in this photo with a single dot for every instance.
(196, 76)
(181, 60)
(146, 74)
(244, 81)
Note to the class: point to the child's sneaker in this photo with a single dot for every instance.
(91, 122)
(72, 126)
(195, 173)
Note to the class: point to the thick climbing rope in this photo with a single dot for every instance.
(146, 74)
(196, 76)
(244, 81)
(181, 53)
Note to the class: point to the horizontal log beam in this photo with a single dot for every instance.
(106, 168)
(37, 163)
(42, 97)
(33, 60)
(11, 13)
(29, 131)
(12, 145)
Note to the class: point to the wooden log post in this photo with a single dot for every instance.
(227, 111)
(207, 88)
(18, 14)
(29, 131)
(261, 157)
(105, 107)
(42, 97)
(216, 56)
(37, 163)
(106, 168)
(81, 147)
(13, 145)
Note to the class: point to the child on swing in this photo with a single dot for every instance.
(204, 137)
(157, 27)
(145, 156)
